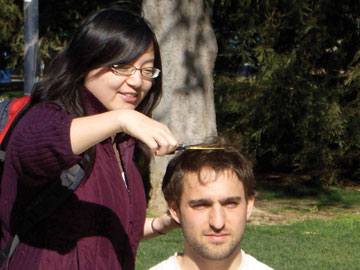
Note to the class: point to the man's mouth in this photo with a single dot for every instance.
(217, 237)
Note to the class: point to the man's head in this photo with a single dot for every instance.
(210, 193)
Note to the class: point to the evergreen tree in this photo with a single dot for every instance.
(10, 31)
(299, 109)
(57, 21)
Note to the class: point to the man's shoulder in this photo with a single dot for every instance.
(168, 264)
(251, 263)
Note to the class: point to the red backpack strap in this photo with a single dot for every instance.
(15, 107)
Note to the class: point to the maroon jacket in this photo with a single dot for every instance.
(99, 226)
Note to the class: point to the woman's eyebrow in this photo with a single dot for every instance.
(149, 60)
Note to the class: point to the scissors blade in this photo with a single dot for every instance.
(183, 147)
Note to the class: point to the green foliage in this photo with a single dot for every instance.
(299, 109)
(10, 30)
(9, 16)
(57, 21)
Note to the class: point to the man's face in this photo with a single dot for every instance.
(213, 214)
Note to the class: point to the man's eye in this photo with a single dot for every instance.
(231, 204)
(198, 206)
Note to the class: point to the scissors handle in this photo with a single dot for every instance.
(181, 147)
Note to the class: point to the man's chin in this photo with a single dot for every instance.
(218, 252)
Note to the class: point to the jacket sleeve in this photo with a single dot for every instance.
(40, 143)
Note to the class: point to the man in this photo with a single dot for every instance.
(210, 195)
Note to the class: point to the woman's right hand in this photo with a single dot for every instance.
(87, 131)
(154, 134)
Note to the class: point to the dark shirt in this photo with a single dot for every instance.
(100, 225)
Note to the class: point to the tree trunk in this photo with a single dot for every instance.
(188, 48)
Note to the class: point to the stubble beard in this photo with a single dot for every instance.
(213, 251)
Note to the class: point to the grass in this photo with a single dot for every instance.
(302, 245)
(155, 250)
(316, 244)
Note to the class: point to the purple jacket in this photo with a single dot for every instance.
(99, 226)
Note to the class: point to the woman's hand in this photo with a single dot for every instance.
(159, 226)
(87, 131)
(154, 134)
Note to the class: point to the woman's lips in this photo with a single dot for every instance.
(129, 97)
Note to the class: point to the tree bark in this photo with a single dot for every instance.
(188, 48)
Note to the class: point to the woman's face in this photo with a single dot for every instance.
(116, 91)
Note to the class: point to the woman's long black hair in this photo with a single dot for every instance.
(108, 36)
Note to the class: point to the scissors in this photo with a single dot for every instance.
(200, 146)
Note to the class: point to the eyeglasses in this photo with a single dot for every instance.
(127, 70)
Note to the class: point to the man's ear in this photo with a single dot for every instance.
(250, 206)
(174, 211)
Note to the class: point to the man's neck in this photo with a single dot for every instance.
(188, 261)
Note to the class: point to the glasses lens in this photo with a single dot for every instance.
(124, 69)
(150, 72)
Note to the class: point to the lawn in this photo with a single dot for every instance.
(304, 243)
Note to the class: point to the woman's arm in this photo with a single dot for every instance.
(87, 131)
(158, 226)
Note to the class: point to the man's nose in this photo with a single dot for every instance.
(217, 218)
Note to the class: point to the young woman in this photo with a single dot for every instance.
(94, 101)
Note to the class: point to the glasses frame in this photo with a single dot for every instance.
(134, 69)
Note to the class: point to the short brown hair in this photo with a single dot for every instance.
(190, 161)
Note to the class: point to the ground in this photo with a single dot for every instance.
(287, 210)
(267, 212)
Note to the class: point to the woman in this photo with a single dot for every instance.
(94, 101)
